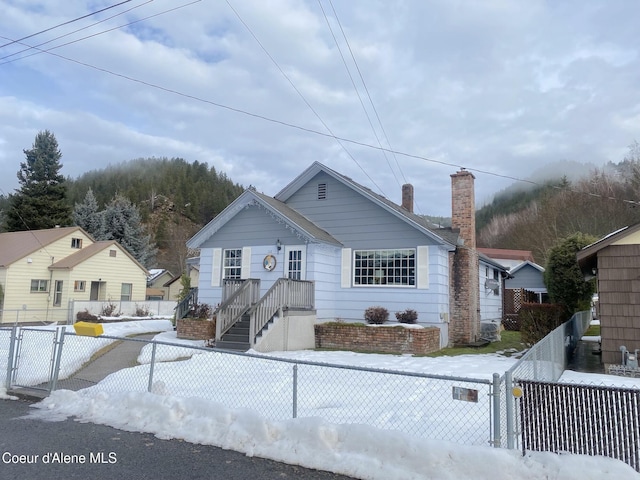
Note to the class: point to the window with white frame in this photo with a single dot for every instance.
(39, 286)
(125, 292)
(79, 286)
(385, 267)
(57, 293)
(232, 263)
(76, 243)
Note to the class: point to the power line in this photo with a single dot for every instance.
(64, 23)
(310, 130)
(39, 50)
(75, 31)
(302, 96)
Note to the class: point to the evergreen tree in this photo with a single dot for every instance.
(41, 200)
(564, 280)
(122, 223)
(87, 216)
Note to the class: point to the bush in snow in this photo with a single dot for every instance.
(376, 315)
(408, 316)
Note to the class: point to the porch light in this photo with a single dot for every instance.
(278, 245)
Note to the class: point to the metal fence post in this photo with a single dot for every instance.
(11, 360)
(58, 343)
(511, 434)
(497, 439)
(151, 366)
(295, 391)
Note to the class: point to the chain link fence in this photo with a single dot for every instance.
(431, 406)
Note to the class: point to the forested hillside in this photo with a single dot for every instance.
(535, 219)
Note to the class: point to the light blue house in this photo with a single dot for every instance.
(326, 248)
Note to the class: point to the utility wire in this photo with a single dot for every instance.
(338, 139)
(375, 134)
(310, 130)
(71, 33)
(65, 23)
(39, 50)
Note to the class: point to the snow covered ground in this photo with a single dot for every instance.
(358, 450)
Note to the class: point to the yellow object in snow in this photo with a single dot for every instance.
(88, 329)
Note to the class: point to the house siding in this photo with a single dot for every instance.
(527, 277)
(490, 303)
(619, 300)
(353, 219)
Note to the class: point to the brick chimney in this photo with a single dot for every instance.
(464, 327)
(407, 197)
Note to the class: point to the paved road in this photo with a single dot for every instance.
(133, 456)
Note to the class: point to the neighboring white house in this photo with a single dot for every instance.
(358, 248)
(42, 271)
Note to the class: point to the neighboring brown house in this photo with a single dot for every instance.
(615, 262)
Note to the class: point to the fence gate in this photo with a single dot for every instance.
(581, 419)
(34, 356)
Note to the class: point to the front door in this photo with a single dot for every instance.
(295, 262)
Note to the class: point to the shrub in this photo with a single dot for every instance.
(142, 311)
(202, 310)
(537, 320)
(86, 316)
(376, 315)
(110, 309)
(408, 316)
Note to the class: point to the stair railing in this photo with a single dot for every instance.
(239, 302)
(284, 293)
(187, 303)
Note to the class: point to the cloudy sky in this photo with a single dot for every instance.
(261, 89)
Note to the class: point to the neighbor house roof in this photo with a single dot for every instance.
(524, 264)
(588, 255)
(508, 254)
(17, 245)
(85, 253)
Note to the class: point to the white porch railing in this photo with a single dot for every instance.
(285, 293)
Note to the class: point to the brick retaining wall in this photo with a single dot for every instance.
(354, 337)
(192, 329)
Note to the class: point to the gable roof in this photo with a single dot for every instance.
(525, 264)
(274, 207)
(588, 255)
(17, 245)
(490, 261)
(440, 235)
(85, 253)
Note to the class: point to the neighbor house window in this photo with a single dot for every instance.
(39, 286)
(385, 267)
(76, 243)
(496, 277)
(79, 286)
(57, 293)
(232, 263)
(125, 292)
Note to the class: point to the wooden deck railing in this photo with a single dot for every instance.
(285, 293)
(185, 306)
(236, 305)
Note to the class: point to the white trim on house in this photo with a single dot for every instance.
(422, 267)
(345, 277)
(216, 266)
(245, 269)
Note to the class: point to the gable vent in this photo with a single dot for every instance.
(322, 191)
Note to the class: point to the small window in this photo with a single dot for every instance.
(322, 191)
(496, 277)
(39, 286)
(112, 253)
(57, 294)
(232, 266)
(76, 243)
(125, 292)
(79, 286)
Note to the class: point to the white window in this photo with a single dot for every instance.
(232, 263)
(76, 243)
(125, 292)
(384, 267)
(57, 293)
(39, 286)
(79, 286)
